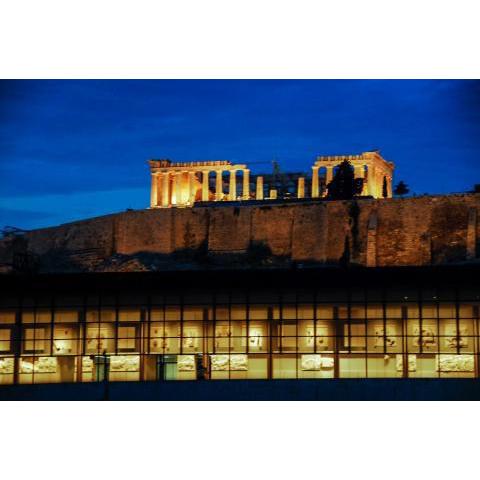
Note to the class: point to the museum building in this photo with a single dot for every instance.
(312, 324)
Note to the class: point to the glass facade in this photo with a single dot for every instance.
(292, 333)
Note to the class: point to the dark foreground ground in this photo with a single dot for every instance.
(346, 389)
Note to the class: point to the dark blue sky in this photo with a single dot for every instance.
(76, 149)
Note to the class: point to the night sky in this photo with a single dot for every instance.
(76, 149)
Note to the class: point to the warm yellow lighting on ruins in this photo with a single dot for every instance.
(182, 184)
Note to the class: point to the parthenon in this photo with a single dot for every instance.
(182, 184)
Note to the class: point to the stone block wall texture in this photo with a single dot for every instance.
(386, 232)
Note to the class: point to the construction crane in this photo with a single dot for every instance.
(274, 163)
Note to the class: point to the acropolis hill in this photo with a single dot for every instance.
(197, 220)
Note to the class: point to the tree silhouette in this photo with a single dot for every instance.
(401, 189)
(345, 258)
(384, 188)
(344, 185)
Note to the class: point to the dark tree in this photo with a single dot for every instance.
(344, 185)
(384, 188)
(401, 189)
(345, 258)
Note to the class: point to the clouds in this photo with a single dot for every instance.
(70, 137)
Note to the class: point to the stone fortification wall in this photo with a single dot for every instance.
(387, 232)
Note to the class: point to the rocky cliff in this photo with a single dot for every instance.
(387, 232)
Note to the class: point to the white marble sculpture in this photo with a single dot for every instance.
(125, 363)
(41, 365)
(311, 362)
(238, 362)
(380, 338)
(87, 365)
(62, 347)
(455, 363)
(412, 363)
(427, 339)
(224, 363)
(316, 362)
(321, 337)
(6, 365)
(222, 331)
(219, 362)
(255, 338)
(327, 362)
(186, 363)
(191, 338)
(454, 341)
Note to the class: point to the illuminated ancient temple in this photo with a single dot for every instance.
(182, 184)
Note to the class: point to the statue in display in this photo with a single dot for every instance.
(412, 363)
(229, 362)
(161, 336)
(455, 363)
(219, 362)
(383, 339)
(452, 340)
(425, 337)
(40, 365)
(316, 362)
(190, 338)
(321, 337)
(87, 365)
(6, 365)
(186, 363)
(125, 363)
(255, 339)
(62, 343)
(238, 362)
(222, 335)
(311, 362)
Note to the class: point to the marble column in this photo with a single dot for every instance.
(154, 191)
(218, 186)
(301, 188)
(191, 188)
(328, 177)
(259, 192)
(232, 190)
(159, 189)
(205, 186)
(371, 181)
(246, 185)
(166, 190)
(359, 171)
(178, 188)
(315, 182)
